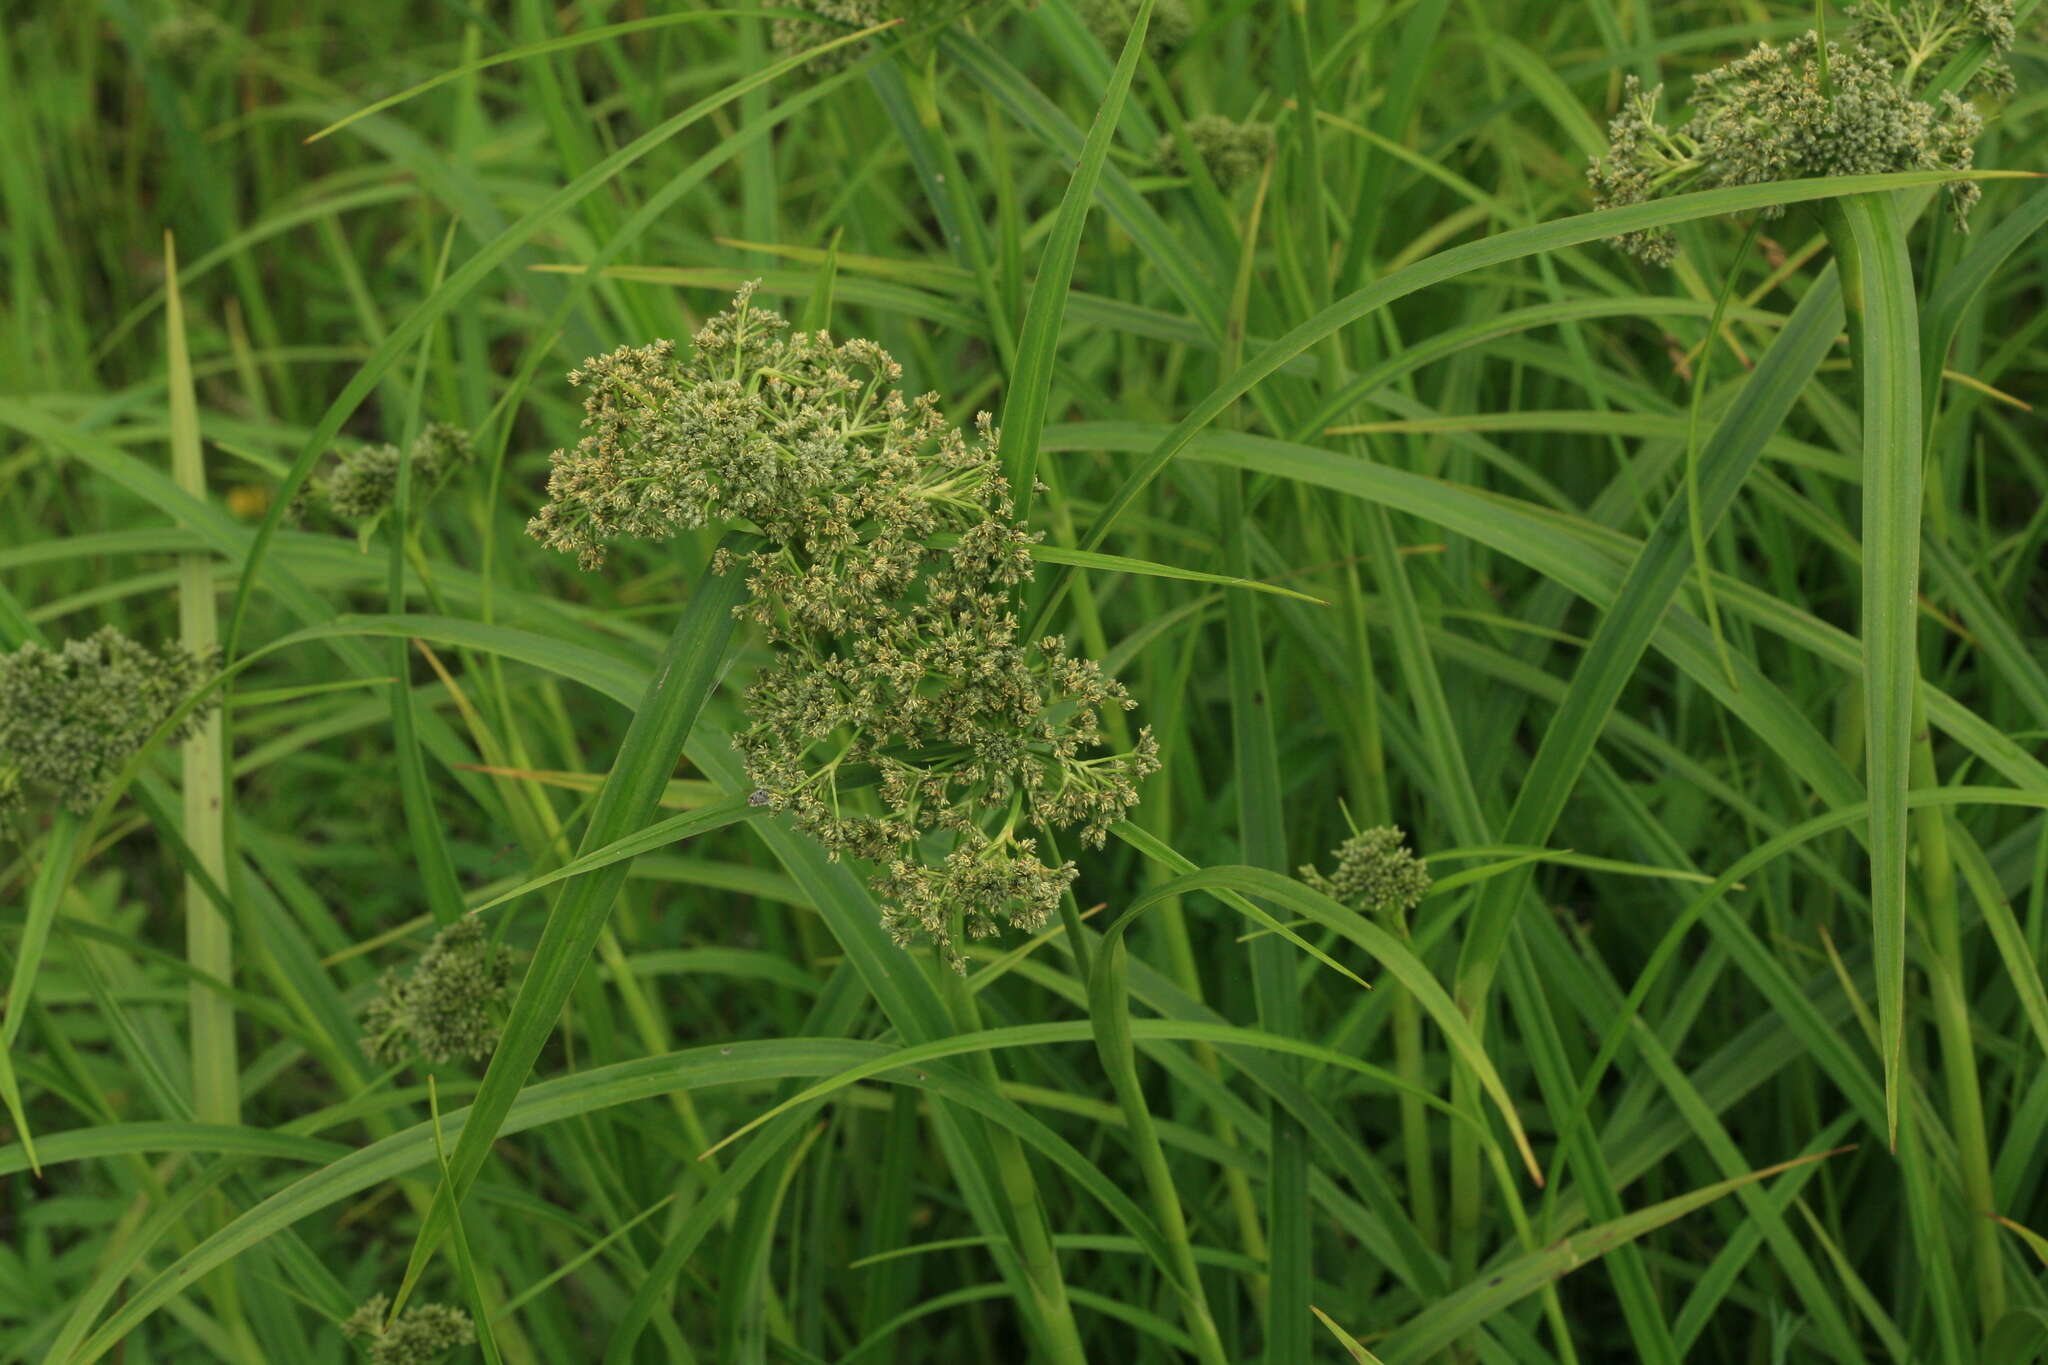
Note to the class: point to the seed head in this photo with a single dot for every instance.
(1375, 872)
(364, 481)
(1234, 152)
(418, 1336)
(1110, 21)
(1920, 36)
(70, 718)
(448, 1006)
(904, 719)
(1781, 113)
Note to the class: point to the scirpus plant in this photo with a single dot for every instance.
(905, 719)
(448, 1007)
(1811, 108)
(420, 1335)
(72, 717)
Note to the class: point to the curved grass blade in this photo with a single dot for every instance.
(1869, 240)
(1442, 1323)
(688, 672)
(1460, 260)
(1030, 389)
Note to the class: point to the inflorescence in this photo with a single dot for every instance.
(904, 719)
(364, 481)
(1110, 21)
(419, 1335)
(1234, 152)
(1375, 872)
(447, 1008)
(1806, 110)
(71, 718)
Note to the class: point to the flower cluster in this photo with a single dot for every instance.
(904, 719)
(70, 718)
(1920, 36)
(1802, 110)
(418, 1336)
(448, 1006)
(1234, 152)
(1111, 20)
(364, 482)
(1375, 871)
(835, 19)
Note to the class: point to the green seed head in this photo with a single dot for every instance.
(1376, 872)
(1781, 113)
(1234, 152)
(905, 719)
(447, 1008)
(418, 1336)
(1110, 21)
(71, 718)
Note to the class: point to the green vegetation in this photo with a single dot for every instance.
(1096, 681)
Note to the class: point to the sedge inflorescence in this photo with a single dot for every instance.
(905, 718)
(72, 717)
(1234, 152)
(1375, 871)
(420, 1335)
(1166, 32)
(1807, 109)
(363, 483)
(448, 1006)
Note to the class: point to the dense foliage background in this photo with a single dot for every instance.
(1475, 489)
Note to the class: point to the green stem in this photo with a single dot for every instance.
(1951, 1009)
(1032, 1234)
(1109, 1010)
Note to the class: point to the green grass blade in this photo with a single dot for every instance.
(1030, 386)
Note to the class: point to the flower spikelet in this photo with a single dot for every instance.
(418, 1336)
(364, 481)
(447, 1007)
(1920, 37)
(1375, 871)
(834, 19)
(1784, 113)
(905, 718)
(1111, 20)
(1234, 152)
(71, 717)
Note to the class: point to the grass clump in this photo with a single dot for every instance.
(533, 919)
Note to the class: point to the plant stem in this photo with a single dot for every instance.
(1029, 1228)
(209, 939)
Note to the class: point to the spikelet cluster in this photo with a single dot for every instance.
(1375, 872)
(1797, 111)
(835, 18)
(1110, 21)
(420, 1335)
(905, 719)
(448, 1007)
(1920, 36)
(363, 483)
(71, 717)
(1234, 152)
